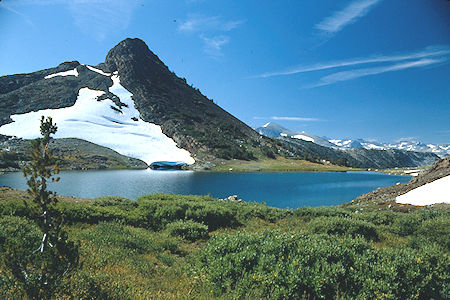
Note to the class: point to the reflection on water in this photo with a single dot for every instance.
(276, 189)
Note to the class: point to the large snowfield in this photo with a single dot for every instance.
(103, 123)
(437, 191)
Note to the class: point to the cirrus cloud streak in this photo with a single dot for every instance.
(339, 19)
(353, 74)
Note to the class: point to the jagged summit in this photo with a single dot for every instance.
(134, 53)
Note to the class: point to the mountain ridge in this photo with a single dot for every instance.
(274, 130)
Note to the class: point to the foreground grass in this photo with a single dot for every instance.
(190, 247)
(280, 164)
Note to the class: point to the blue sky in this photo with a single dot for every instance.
(373, 69)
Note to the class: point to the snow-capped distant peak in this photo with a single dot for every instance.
(265, 125)
(105, 124)
(73, 72)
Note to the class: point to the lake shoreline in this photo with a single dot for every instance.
(282, 190)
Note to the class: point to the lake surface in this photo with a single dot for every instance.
(282, 190)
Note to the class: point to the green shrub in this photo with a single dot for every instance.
(410, 223)
(276, 265)
(309, 213)
(234, 152)
(344, 226)
(121, 202)
(248, 210)
(188, 230)
(19, 237)
(406, 224)
(435, 230)
(117, 234)
(385, 218)
(405, 273)
(161, 209)
(268, 151)
(14, 207)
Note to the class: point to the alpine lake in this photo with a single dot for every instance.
(282, 190)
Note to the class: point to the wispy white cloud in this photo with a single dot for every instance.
(94, 17)
(14, 11)
(427, 52)
(213, 45)
(444, 132)
(352, 12)
(353, 74)
(298, 119)
(201, 23)
(101, 17)
(209, 29)
(406, 139)
(302, 119)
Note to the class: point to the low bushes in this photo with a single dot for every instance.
(344, 226)
(188, 230)
(278, 265)
(131, 249)
(162, 209)
(309, 213)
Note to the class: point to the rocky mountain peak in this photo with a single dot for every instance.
(133, 53)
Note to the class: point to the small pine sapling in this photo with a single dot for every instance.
(41, 272)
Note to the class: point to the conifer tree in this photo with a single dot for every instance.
(41, 272)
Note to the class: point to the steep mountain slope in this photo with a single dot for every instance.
(122, 104)
(187, 116)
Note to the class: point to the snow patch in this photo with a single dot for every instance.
(97, 70)
(97, 122)
(373, 146)
(303, 137)
(437, 191)
(73, 72)
(267, 124)
(410, 171)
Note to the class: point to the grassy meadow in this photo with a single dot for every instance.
(196, 247)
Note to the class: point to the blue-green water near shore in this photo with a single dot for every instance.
(276, 189)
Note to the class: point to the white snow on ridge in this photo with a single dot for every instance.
(372, 146)
(73, 72)
(97, 70)
(303, 137)
(97, 122)
(437, 191)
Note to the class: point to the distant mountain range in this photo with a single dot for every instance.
(275, 130)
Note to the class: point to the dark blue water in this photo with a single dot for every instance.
(276, 189)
